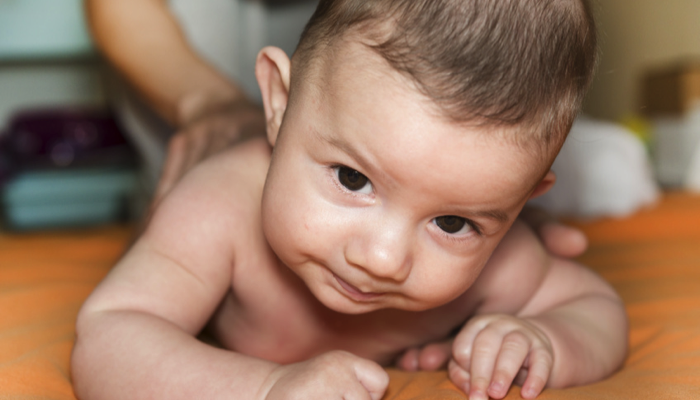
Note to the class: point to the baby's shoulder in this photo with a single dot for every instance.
(219, 198)
(243, 168)
(514, 272)
(227, 181)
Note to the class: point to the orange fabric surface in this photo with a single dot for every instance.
(652, 259)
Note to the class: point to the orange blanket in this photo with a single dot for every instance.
(652, 259)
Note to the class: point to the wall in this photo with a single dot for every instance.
(46, 57)
(636, 35)
(45, 84)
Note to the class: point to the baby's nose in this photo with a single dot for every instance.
(385, 254)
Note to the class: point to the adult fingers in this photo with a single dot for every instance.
(172, 168)
(185, 150)
(200, 138)
(559, 239)
(562, 240)
(514, 350)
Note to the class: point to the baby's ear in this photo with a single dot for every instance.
(545, 184)
(272, 71)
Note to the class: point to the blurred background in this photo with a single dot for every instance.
(52, 80)
(63, 159)
(47, 57)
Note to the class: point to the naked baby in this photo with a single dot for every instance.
(376, 222)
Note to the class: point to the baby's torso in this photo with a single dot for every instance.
(269, 313)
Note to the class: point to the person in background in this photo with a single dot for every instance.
(190, 88)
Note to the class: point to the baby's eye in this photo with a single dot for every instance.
(353, 180)
(452, 224)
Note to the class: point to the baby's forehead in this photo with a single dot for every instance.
(354, 91)
(352, 65)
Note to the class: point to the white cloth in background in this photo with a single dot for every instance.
(692, 176)
(230, 33)
(602, 170)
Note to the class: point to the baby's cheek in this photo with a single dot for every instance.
(296, 232)
(279, 235)
(440, 288)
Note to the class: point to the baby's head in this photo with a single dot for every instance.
(407, 136)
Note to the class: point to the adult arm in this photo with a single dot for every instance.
(143, 40)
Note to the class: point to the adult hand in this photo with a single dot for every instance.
(559, 240)
(208, 134)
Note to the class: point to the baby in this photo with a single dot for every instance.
(377, 222)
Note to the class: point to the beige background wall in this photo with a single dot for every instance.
(635, 35)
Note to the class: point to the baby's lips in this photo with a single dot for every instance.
(354, 292)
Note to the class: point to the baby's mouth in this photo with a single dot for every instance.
(355, 293)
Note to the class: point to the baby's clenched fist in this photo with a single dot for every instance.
(333, 375)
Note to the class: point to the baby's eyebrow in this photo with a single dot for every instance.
(368, 163)
(337, 143)
(498, 215)
(344, 146)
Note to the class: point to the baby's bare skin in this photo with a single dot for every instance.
(292, 325)
(360, 272)
(257, 306)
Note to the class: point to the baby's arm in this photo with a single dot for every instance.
(571, 330)
(136, 332)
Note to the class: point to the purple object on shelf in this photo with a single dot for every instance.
(56, 138)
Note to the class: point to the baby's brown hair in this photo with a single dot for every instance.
(493, 62)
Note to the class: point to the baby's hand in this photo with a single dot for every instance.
(333, 375)
(492, 351)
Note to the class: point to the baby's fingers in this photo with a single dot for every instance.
(459, 376)
(463, 344)
(409, 360)
(540, 367)
(470, 353)
(373, 377)
(514, 350)
(431, 357)
(487, 345)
